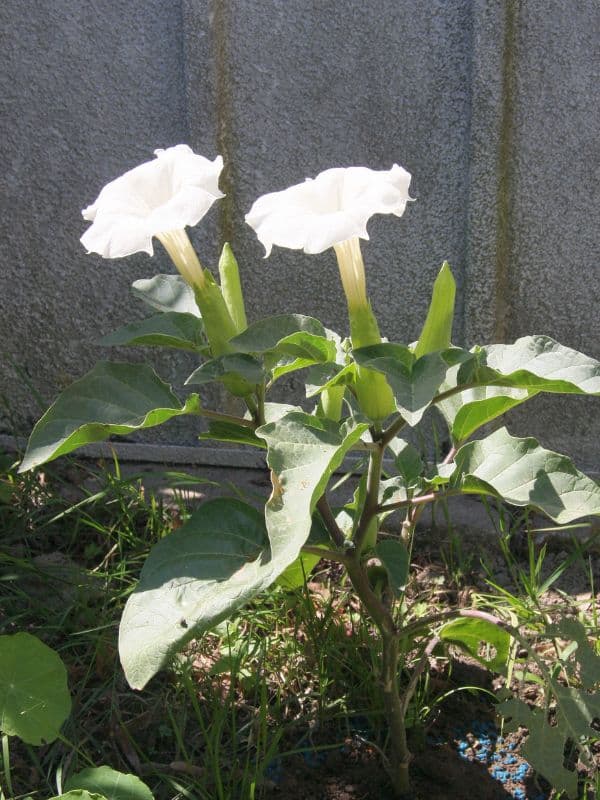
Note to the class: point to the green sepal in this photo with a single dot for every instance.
(437, 330)
(218, 324)
(232, 288)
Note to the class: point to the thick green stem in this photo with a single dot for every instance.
(365, 534)
(396, 713)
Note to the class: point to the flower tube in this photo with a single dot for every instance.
(160, 198)
(332, 211)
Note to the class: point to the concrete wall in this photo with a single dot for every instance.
(492, 105)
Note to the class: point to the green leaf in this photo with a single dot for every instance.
(230, 432)
(523, 473)
(113, 398)
(167, 293)
(437, 330)
(170, 329)
(471, 633)
(394, 556)
(192, 580)
(295, 575)
(222, 556)
(469, 410)
(413, 381)
(544, 748)
(407, 460)
(512, 374)
(584, 655)
(78, 794)
(34, 696)
(109, 783)
(266, 334)
(223, 368)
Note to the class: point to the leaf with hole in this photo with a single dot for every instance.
(476, 636)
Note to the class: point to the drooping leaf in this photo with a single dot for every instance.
(113, 398)
(474, 635)
(222, 556)
(394, 557)
(414, 382)
(170, 329)
(34, 696)
(109, 783)
(166, 293)
(437, 330)
(523, 473)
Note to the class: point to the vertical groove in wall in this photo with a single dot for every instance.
(505, 172)
(224, 117)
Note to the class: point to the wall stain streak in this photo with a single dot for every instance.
(504, 232)
(224, 118)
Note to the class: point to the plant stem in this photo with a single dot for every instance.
(323, 552)
(396, 713)
(326, 513)
(371, 505)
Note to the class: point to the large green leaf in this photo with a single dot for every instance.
(109, 783)
(170, 329)
(34, 696)
(437, 330)
(414, 381)
(78, 794)
(223, 555)
(113, 398)
(191, 580)
(166, 293)
(523, 473)
(499, 377)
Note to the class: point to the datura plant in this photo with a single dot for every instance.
(364, 396)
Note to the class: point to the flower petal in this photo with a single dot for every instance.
(174, 190)
(334, 207)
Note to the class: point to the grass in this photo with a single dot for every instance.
(292, 673)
